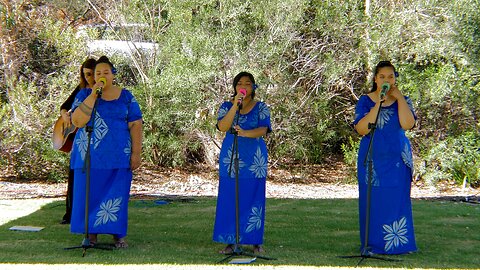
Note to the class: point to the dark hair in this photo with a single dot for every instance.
(380, 65)
(237, 79)
(105, 60)
(90, 64)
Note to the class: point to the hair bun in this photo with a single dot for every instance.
(104, 59)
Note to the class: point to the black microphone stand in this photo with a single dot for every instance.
(237, 249)
(87, 166)
(368, 162)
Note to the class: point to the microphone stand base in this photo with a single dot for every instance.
(238, 251)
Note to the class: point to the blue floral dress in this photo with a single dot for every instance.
(253, 158)
(110, 174)
(391, 222)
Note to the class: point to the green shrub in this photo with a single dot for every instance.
(32, 103)
(350, 157)
(311, 58)
(456, 158)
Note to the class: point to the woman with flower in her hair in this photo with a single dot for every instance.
(391, 223)
(251, 123)
(115, 150)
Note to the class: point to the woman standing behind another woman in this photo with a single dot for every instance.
(115, 152)
(251, 124)
(391, 222)
(87, 80)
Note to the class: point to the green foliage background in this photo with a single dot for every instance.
(311, 58)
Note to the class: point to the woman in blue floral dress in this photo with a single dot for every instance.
(391, 223)
(114, 151)
(251, 123)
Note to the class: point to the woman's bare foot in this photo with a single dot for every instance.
(120, 242)
(227, 250)
(92, 239)
(258, 249)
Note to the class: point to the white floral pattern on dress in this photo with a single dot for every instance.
(76, 103)
(357, 115)
(133, 100)
(263, 111)
(395, 235)
(384, 117)
(108, 211)
(410, 104)
(255, 219)
(229, 162)
(81, 142)
(222, 112)
(407, 156)
(259, 165)
(100, 129)
(375, 181)
(128, 149)
(241, 121)
(228, 238)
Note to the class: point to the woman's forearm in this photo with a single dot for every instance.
(136, 136)
(253, 133)
(83, 112)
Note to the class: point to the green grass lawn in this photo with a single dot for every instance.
(297, 232)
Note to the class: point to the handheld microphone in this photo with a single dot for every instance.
(242, 91)
(99, 90)
(385, 89)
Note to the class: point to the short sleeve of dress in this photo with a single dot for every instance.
(410, 105)
(80, 97)
(363, 108)
(134, 112)
(223, 110)
(264, 116)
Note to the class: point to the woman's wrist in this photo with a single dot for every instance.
(87, 110)
(398, 96)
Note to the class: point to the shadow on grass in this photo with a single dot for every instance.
(178, 230)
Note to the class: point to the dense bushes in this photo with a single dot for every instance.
(312, 60)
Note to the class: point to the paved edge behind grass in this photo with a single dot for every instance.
(14, 209)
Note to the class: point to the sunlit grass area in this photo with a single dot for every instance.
(298, 232)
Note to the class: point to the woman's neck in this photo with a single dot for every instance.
(247, 100)
(110, 93)
(247, 105)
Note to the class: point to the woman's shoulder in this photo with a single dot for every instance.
(365, 99)
(261, 103)
(125, 91)
(366, 96)
(84, 91)
(128, 95)
(226, 103)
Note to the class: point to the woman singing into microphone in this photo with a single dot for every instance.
(115, 151)
(391, 222)
(250, 119)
